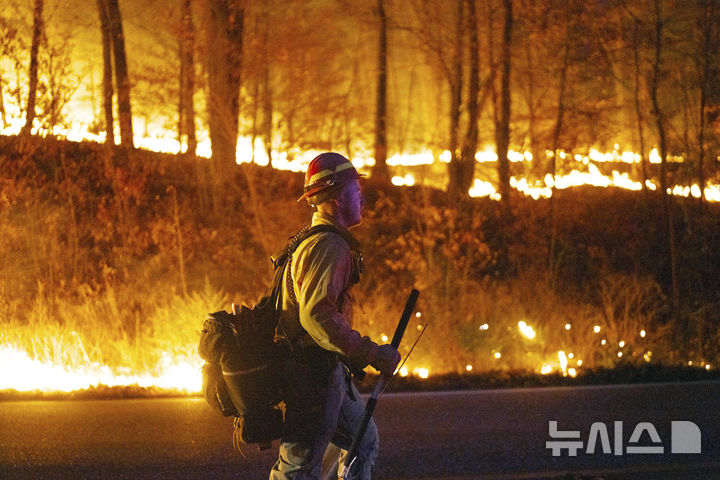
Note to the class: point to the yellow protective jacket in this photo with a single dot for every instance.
(320, 274)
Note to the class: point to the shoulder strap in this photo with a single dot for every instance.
(306, 233)
(285, 259)
(282, 259)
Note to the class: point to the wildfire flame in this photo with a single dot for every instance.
(25, 374)
(183, 373)
(162, 140)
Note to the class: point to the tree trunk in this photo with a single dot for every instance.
(701, 138)
(181, 98)
(107, 83)
(267, 105)
(224, 62)
(555, 146)
(502, 131)
(455, 101)
(187, 79)
(708, 22)
(465, 170)
(33, 74)
(267, 113)
(532, 104)
(638, 110)
(122, 81)
(380, 169)
(3, 114)
(667, 198)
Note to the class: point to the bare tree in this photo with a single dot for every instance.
(707, 66)
(620, 40)
(267, 100)
(532, 86)
(640, 122)
(7, 38)
(440, 31)
(380, 169)
(186, 107)
(456, 81)
(107, 71)
(33, 74)
(502, 127)
(122, 80)
(3, 113)
(59, 80)
(557, 130)
(224, 43)
(462, 173)
(660, 124)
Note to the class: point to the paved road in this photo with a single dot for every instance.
(465, 435)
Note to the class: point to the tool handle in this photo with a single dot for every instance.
(405, 318)
(372, 401)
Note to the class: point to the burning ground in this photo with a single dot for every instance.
(111, 261)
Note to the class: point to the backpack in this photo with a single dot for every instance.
(241, 376)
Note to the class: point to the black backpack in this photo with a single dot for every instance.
(241, 375)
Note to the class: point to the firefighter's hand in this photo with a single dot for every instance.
(387, 360)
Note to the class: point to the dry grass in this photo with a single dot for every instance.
(117, 261)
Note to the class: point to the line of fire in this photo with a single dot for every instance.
(546, 173)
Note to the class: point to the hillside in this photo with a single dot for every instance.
(114, 260)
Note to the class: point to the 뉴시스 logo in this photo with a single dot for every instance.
(685, 437)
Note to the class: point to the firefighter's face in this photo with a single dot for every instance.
(351, 203)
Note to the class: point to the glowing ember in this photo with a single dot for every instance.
(408, 180)
(562, 358)
(422, 372)
(526, 330)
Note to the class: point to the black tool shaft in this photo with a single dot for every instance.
(405, 318)
(372, 401)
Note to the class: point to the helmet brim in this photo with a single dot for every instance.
(337, 182)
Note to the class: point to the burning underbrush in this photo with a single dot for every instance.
(112, 261)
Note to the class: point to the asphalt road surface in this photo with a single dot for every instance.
(464, 435)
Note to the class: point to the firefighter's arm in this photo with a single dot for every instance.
(322, 275)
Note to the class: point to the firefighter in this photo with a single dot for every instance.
(322, 404)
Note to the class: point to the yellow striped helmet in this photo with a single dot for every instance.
(326, 174)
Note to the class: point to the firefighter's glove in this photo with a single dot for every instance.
(386, 360)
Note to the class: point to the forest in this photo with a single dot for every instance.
(150, 154)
